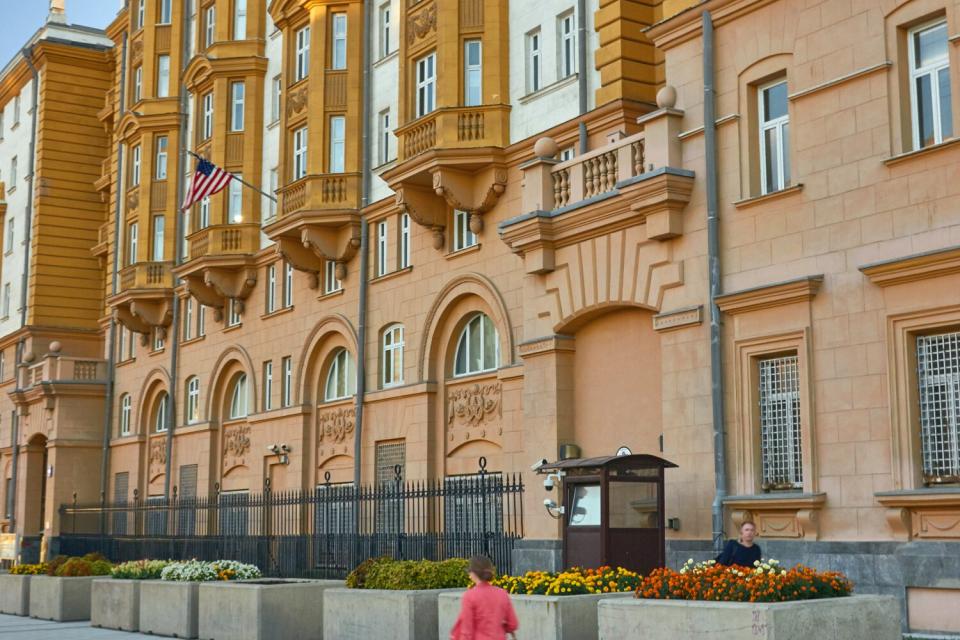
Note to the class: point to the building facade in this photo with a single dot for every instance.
(493, 236)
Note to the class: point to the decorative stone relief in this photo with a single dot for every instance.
(236, 444)
(297, 101)
(419, 25)
(157, 457)
(474, 411)
(334, 428)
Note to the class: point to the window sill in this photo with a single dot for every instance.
(779, 515)
(156, 352)
(385, 59)
(389, 164)
(939, 496)
(11, 189)
(472, 377)
(909, 155)
(193, 427)
(128, 438)
(456, 254)
(273, 125)
(234, 327)
(192, 341)
(773, 195)
(278, 312)
(124, 363)
(338, 402)
(15, 126)
(392, 274)
(550, 88)
(276, 413)
(332, 294)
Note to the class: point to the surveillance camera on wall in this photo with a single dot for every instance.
(539, 463)
(549, 483)
(272, 448)
(284, 448)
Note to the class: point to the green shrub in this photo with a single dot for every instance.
(94, 556)
(55, 565)
(100, 568)
(75, 568)
(395, 575)
(139, 570)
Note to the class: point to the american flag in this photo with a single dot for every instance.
(207, 180)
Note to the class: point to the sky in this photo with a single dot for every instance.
(21, 19)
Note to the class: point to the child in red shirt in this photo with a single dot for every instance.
(486, 613)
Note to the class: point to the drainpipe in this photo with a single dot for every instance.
(366, 185)
(713, 259)
(582, 70)
(114, 286)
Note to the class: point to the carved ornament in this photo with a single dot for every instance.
(476, 408)
(419, 25)
(236, 444)
(157, 457)
(335, 425)
(296, 101)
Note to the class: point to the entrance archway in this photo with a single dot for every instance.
(35, 486)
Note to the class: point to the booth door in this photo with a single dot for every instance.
(582, 527)
(634, 539)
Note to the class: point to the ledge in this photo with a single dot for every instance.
(919, 266)
(779, 515)
(276, 414)
(399, 391)
(920, 498)
(774, 195)
(332, 294)
(550, 88)
(777, 500)
(926, 514)
(392, 274)
(278, 312)
(456, 254)
(772, 295)
(678, 318)
(908, 155)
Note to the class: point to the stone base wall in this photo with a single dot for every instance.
(537, 555)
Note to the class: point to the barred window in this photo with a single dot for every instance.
(234, 513)
(474, 504)
(389, 455)
(938, 373)
(780, 423)
(121, 487)
(156, 521)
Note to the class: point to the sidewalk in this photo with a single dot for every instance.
(30, 629)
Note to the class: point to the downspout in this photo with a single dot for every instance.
(713, 260)
(114, 288)
(582, 71)
(174, 337)
(365, 188)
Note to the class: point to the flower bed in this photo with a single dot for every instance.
(140, 570)
(575, 581)
(200, 571)
(405, 575)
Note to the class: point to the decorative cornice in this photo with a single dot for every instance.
(546, 344)
(919, 266)
(678, 318)
(772, 295)
(687, 24)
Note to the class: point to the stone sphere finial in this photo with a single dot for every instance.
(546, 147)
(28, 357)
(667, 97)
(55, 347)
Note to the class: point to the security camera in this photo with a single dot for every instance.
(539, 463)
(549, 504)
(549, 483)
(284, 448)
(272, 448)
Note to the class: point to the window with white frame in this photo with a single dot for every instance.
(338, 132)
(286, 388)
(930, 92)
(188, 319)
(271, 288)
(237, 98)
(392, 356)
(287, 285)
(202, 320)
(193, 400)
(137, 83)
(472, 73)
(275, 91)
(166, 11)
(160, 171)
(132, 241)
(160, 416)
(384, 22)
(234, 318)
(135, 167)
(235, 200)
(6, 300)
(141, 13)
(426, 70)
(341, 382)
(131, 345)
(3, 365)
(382, 233)
(193, 36)
(567, 39)
(463, 237)
(268, 385)
(271, 202)
(163, 76)
(207, 129)
(210, 26)
(338, 54)
(11, 229)
(159, 340)
(774, 137)
(938, 375)
(780, 442)
(478, 348)
(126, 408)
(331, 283)
(534, 61)
(299, 153)
(205, 213)
(159, 223)
(404, 240)
(13, 174)
(386, 132)
(567, 154)
(239, 398)
(302, 67)
(239, 19)
(16, 110)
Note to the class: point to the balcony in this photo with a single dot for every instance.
(452, 158)
(106, 177)
(222, 265)
(319, 220)
(145, 300)
(105, 115)
(102, 247)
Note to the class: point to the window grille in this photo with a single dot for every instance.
(938, 365)
(121, 486)
(186, 512)
(234, 513)
(780, 423)
(388, 456)
(156, 517)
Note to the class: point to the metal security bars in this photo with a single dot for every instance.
(938, 374)
(318, 533)
(780, 423)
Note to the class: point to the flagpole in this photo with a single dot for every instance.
(236, 177)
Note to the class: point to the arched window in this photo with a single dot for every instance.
(239, 398)
(126, 406)
(392, 356)
(340, 378)
(160, 421)
(193, 400)
(478, 348)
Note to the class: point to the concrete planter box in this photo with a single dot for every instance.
(263, 609)
(115, 604)
(60, 599)
(540, 617)
(361, 614)
(852, 618)
(15, 594)
(169, 608)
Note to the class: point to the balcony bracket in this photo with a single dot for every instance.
(214, 286)
(144, 316)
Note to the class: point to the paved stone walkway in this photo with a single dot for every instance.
(30, 629)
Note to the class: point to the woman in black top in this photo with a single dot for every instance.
(742, 552)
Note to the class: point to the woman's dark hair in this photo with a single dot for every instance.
(482, 567)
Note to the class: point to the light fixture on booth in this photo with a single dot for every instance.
(282, 451)
(49, 470)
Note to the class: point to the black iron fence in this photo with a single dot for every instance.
(320, 533)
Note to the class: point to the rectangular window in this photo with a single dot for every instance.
(268, 385)
(388, 458)
(338, 132)
(193, 400)
(205, 213)
(426, 84)
(774, 137)
(210, 26)
(938, 373)
(272, 203)
(202, 321)
(463, 237)
(233, 314)
(161, 159)
(3, 365)
(158, 343)
(11, 228)
(237, 93)
(534, 62)
(780, 447)
(187, 513)
(384, 22)
(135, 167)
(287, 285)
(163, 76)
(382, 232)
(404, 240)
(566, 154)
(271, 288)
(141, 12)
(234, 513)
(16, 110)
(121, 487)
(207, 116)
(567, 37)
(132, 233)
(158, 224)
(472, 73)
(13, 173)
(287, 390)
(239, 19)
(137, 84)
(165, 15)
(194, 35)
(930, 92)
(338, 55)
(475, 506)
(392, 356)
(276, 88)
(303, 54)
(331, 284)
(235, 201)
(188, 319)
(6, 300)
(384, 137)
(299, 153)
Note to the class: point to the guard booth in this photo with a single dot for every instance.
(613, 511)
